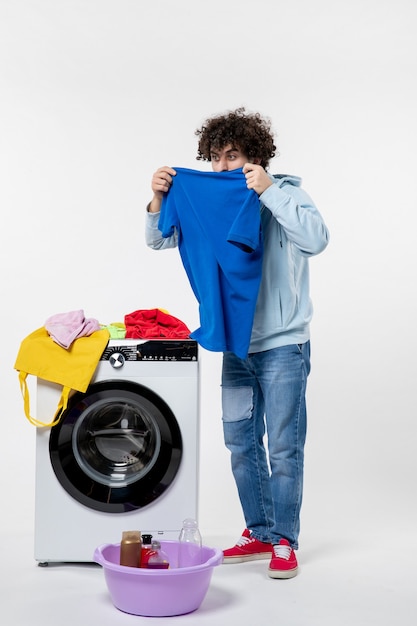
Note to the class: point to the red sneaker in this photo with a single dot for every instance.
(284, 562)
(247, 548)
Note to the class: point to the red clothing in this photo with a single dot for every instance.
(154, 324)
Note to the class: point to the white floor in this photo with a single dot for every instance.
(358, 581)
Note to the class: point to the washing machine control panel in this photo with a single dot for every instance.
(154, 350)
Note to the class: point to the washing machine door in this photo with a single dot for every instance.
(117, 447)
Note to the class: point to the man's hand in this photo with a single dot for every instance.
(161, 183)
(256, 178)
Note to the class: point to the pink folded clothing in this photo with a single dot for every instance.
(65, 328)
(154, 324)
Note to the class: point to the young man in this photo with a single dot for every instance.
(264, 392)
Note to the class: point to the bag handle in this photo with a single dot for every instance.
(62, 404)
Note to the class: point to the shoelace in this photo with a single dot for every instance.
(243, 541)
(282, 552)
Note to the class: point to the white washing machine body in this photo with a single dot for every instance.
(124, 455)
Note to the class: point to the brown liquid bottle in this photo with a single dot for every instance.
(131, 548)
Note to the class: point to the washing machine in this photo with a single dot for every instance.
(124, 455)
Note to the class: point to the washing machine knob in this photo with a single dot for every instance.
(117, 360)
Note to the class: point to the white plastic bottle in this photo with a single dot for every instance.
(189, 548)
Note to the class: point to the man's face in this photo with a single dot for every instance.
(227, 158)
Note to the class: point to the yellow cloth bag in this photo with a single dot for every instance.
(73, 368)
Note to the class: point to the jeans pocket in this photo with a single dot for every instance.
(237, 403)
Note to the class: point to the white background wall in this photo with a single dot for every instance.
(96, 94)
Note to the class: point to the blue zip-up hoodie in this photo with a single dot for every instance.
(293, 230)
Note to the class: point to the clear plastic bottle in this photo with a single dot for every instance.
(157, 558)
(189, 549)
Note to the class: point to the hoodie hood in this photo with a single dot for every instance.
(282, 179)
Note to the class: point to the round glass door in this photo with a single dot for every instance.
(117, 447)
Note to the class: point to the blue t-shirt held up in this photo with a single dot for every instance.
(220, 242)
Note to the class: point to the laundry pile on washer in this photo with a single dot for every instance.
(73, 367)
(65, 328)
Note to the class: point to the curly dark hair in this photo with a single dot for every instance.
(247, 131)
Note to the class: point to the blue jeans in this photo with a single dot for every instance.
(265, 394)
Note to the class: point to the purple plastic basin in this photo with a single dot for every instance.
(160, 592)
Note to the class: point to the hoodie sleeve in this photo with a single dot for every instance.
(153, 236)
(296, 213)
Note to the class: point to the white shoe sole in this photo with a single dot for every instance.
(282, 574)
(249, 557)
